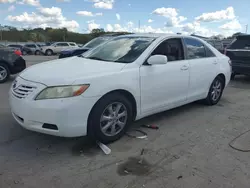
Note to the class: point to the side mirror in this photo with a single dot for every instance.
(157, 60)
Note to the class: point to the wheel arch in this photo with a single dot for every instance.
(6, 63)
(123, 92)
(223, 77)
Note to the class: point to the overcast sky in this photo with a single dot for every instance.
(204, 17)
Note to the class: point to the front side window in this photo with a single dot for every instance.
(62, 44)
(123, 49)
(172, 48)
(72, 44)
(195, 49)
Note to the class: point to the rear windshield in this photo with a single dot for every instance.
(240, 43)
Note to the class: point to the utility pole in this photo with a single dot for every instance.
(246, 28)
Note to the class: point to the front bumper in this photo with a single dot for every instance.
(70, 115)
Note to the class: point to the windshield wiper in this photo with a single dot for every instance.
(81, 56)
(97, 58)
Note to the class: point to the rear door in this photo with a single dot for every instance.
(203, 68)
(60, 46)
(239, 53)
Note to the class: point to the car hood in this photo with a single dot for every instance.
(66, 71)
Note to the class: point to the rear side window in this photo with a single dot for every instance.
(241, 43)
(195, 49)
(30, 45)
(62, 44)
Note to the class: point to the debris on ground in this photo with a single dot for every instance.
(151, 126)
(104, 148)
(241, 142)
(134, 134)
(179, 177)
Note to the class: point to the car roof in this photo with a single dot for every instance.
(160, 35)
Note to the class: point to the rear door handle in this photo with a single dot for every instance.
(215, 62)
(185, 67)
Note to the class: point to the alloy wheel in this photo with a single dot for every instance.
(113, 119)
(3, 73)
(216, 90)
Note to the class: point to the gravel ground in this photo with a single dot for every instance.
(189, 150)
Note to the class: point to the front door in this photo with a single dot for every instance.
(166, 85)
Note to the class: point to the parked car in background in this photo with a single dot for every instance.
(23, 49)
(217, 44)
(125, 79)
(35, 48)
(91, 44)
(11, 62)
(239, 53)
(57, 47)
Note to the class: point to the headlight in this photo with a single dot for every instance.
(61, 92)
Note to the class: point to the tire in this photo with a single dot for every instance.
(96, 125)
(233, 76)
(37, 52)
(49, 52)
(211, 99)
(4, 76)
(24, 52)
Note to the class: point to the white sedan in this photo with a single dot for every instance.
(130, 77)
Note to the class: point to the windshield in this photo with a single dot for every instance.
(122, 49)
(95, 42)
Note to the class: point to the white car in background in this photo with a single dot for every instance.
(57, 47)
(129, 77)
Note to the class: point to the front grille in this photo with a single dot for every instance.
(22, 91)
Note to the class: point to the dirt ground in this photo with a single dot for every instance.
(190, 150)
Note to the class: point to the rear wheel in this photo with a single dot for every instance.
(24, 52)
(215, 91)
(49, 52)
(37, 53)
(4, 73)
(110, 118)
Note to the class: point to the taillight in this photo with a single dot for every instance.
(18, 52)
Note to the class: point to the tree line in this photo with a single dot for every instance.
(12, 34)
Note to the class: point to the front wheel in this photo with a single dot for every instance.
(110, 118)
(215, 91)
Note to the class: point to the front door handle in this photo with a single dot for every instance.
(215, 62)
(185, 67)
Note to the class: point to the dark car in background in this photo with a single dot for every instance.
(216, 44)
(11, 62)
(239, 53)
(23, 49)
(35, 48)
(91, 44)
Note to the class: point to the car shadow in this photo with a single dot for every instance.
(241, 82)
